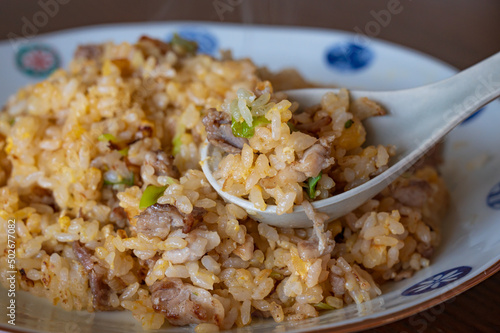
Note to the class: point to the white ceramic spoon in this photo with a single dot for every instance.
(417, 119)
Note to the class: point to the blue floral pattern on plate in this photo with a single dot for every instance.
(437, 281)
(493, 198)
(349, 57)
(207, 43)
(37, 60)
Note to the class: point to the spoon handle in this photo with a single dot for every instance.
(429, 112)
(470, 89)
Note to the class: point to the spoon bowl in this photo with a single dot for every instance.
(417, 119)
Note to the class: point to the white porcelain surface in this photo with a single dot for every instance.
(470, 242)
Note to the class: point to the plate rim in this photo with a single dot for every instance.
(194, 23)
(405, 313)
(343, 328)
(372, 322)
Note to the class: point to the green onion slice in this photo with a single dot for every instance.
(126, 181)
(323, 306)
(106, 137)
(311, 185)
(187, 46)
(242, 130)
(151, 195)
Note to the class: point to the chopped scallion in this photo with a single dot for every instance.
(124, 151)
(176, 144)
(126, 181)
(292, 127)
(106, 137)
(242, 130)
(185, 45)
(323, 306)
(151, 195)
(311, 185)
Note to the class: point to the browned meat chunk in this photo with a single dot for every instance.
(219, 133)
(193, 218)
(170, 298)
(163, 164)
(426, 250)
(308, 249)
(101, 291)
(83, 255)
(151, 46)
(183, 304)
(89, 52)
(314, 127)
(157, 220)
(40, 195)
(119, 216)
(315, 159)
(413, 194)
(364, 108)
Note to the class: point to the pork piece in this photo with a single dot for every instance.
(426, 250)
(163, 164)
(315, 159)
(193, 218)
(119, 217)
(219, 133)
(321, 239)
(41, 195)
(309, 249)
(314, 127)
(151, 46)
(184, 304)
(89, 52)
(413, 194)
(157, 220)
(83, 255)
(338, 284)
(172, 299)
(364, 108)
(101, 291)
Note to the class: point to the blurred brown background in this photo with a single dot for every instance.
(459, 32)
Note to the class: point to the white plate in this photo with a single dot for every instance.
(470, 249)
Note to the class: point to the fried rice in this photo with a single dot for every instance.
(99, 168)
(275, 154)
